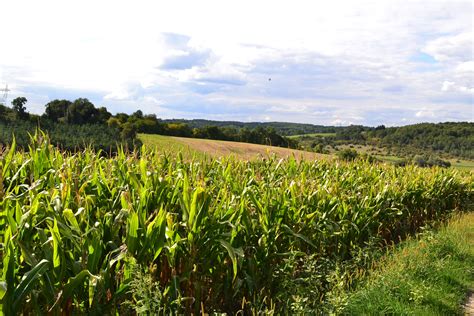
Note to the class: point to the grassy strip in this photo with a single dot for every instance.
(427, 276)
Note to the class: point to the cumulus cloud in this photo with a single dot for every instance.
(451, 48)
(465, 67)
(330, 63)
(466, 89)
(425, 113)
(180, 54)
(452, 86)
(447, 85)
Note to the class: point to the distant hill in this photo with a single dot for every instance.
(282, 128)
(454, 139)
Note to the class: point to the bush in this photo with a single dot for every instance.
(347, 154)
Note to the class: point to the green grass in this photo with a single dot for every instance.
(169, 145)
(313, 135)
(428, 276)
(388, 158)
(463, 164)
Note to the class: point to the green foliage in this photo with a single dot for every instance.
(210, 235)
(441, 139)
(81, 111)
(57, 110)
(258, 135)
(18, 106)
(318, 148)
(147, 297)
(128, 131)
(67, 137)
(353, 133)
(178, 129)
(347, 154)
(427, 276)
(456, 139)
(281, 128)
(425, 161)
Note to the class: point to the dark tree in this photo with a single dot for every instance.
(128, 131)
(138, 114)
(122, 117)
(103, 115)
(82, 111)
(57, 110)
(18, 106)
(3, 110)
(347, 154)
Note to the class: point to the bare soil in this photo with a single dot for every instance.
(245, 150)
(469, 306)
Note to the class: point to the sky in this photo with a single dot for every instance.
(320, 62)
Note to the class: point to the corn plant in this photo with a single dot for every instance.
(209, 235)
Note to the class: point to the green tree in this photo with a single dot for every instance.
(122, 117)
(103, 115)
(113, 122)
(3, 110)
(128, 131)
(347, 154)
(137, 115)
(57, 110)
(18, 105)
(82, 111)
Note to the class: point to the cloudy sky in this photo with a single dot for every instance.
(321, 62)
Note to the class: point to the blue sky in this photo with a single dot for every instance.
(337, 63)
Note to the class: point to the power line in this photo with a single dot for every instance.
(5, 94)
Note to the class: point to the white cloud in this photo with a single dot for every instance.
(447, 85)
(452, 48)
(466, 89)
(199, 59)
(452, 86)
(465, 67)
(425, 113)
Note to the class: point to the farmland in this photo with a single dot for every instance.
(151, 232)
(205, 148)
(192, 147)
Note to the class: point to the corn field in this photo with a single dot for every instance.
(152, 233)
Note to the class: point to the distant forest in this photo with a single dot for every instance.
(282, 128)
(447, 139)
(73, 125)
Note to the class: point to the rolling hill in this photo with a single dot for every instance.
(217, 148)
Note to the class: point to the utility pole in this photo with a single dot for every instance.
(5, 90)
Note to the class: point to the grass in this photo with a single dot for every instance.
(313, 135)
(389, 158)
(169, 144)
(215, 148)
(463, 164)
(427, 276)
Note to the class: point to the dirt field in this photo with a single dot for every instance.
(216, 148)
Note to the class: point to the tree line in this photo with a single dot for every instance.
(65, 115)
(449, 139)
(453, 139)
(71, 126)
